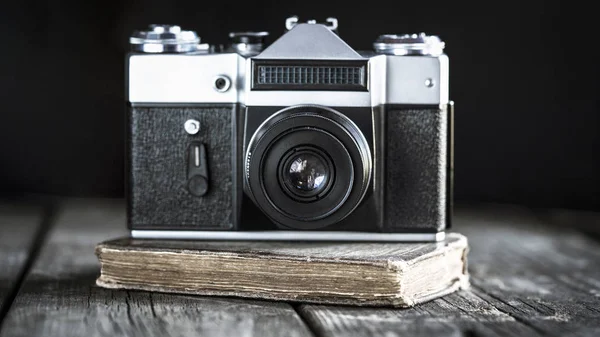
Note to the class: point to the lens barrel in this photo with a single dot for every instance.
(307, 167)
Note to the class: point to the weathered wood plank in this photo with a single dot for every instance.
(19, 225)
(528, 279)
(59, 297)
(459, 314)
(545, 276)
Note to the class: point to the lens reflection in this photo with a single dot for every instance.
(307, 173)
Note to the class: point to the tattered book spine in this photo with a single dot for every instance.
(412, 274)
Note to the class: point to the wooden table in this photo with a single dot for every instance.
(533, 273)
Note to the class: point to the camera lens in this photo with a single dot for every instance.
(307, 173)
(307, 167)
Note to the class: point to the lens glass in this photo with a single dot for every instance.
(307, 173)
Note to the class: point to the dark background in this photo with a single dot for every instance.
(524, 76)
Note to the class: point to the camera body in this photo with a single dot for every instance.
(306, 139)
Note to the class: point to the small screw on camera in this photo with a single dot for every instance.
(192, 126)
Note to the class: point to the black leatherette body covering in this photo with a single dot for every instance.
(158, 159)
(415, 171)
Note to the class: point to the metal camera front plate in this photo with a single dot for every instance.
(288, 236)
(188, 78)
(184, 78)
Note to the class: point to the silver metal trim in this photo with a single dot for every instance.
(288, 236)
(409, 44)
(310, 42)
(291, 22)
(248, 43)
(290, 97)
(332, 23)
(183, 78)
(189, 78)
(164, 39)
(247, 49)
(402, 79)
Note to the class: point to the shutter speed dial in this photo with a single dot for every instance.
(409, 44)
(164, 39)
(248, 43)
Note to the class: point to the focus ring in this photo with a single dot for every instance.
(300, 127)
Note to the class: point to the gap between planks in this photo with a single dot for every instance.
(47, 216)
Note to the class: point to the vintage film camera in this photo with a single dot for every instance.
(305, 139)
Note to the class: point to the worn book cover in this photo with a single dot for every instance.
(377, 274)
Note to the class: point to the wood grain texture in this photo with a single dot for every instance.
(528, 279)
(547, 277)
(59, 298)
(19, 224)
(460, 314)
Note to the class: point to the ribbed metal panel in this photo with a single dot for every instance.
(310, 75)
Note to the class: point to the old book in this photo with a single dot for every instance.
(379, 274)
